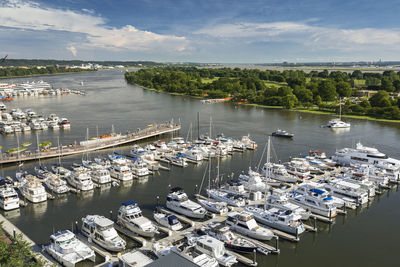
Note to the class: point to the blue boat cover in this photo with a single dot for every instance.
(172, 219)
(328, 198)
(317, 191)
(128, 203)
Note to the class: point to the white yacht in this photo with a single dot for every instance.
(189, 252)
(80, 179)
(66, 249)
(213, 206)
(35, 125)
(120, 170)
(338, 123)
(170, 221)
(130, 216)
(216, 249)
(314, 199)
(56, 185)
(137, 151)
(230, 198)
(279, 199)
(100, 175)
(298, 168)
(344, 189)
(64, 123)
(278, 172)
(9, 199)
(193, 154)
(33, 190)
(177, 160)
(139, 168)
(245, 224)
(61, 171)
(6, 128)
(284, 220)
(101, 231)
(253, 181)
(178, 201)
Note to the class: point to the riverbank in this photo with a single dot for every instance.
(44, 74)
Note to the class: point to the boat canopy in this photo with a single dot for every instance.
(172, 219)
(317, 191)
(128, 203)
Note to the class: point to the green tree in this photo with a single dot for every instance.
(344, 89)
(380, 99)
(289, 101)
(327, 90)
(387, 85)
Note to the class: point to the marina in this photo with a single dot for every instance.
(145, 191)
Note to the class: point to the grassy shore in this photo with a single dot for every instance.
(44, 74)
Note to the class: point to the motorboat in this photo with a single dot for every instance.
(137, 151)
(279, 199)
(168, 220)
(298, 168)
(80, 179)
(315, 200)
(9, 199)
(101, 231)
(64, 123)
(193, 154)
(35, 125)
(283, 220)
(177, 160)
(139, 168)
(120, 170)
(230, 198)
(56, 185)
(6, 128)
(224, 234)
(66, 249)
(25, 127)
(33, 190)
(130, 216)
(253, 181)
(61, 171)
(282, 133)
(337, 123)
(100, 175)
(278, 172)
(245, 224)
(342, 188)
(178, 201)
(134, 258)
(213, 206)
(216, 249)
(189, 252)
(248, 143)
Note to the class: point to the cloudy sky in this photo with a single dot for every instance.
(226, 31)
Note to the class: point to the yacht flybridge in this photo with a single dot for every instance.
(178, 201)
(9, 199)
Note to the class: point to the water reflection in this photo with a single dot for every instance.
(36, 210)
(85, 194)
(340, 130)
(10, 214)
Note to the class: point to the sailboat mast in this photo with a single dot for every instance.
(209, 173)
(210, 127)
(198, 125)
(267, 173)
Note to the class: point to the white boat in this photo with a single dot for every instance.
(338, 123)
(33, 190)
(245, 224)
(279, 199)
(130, 216)
(35, 125)
(134, 259)
(80, 179)
(101, 231)
(100, 175)
(230, 198)
(284, 220)
(193, 154)
(178, 160)
(178, 201)
(64, 123)
(59, 170)
(192, 254)
(66, 249)
(9, 199)
(137, 151)
(170, 221)
(213, 206)
(56, 185)
(253, 181)
(25, 127)
(278, 172)
(341, 189)
(139, 168)
(298, 168)
(216, 249)
(6, 128)
(120, 170)
(315, 200)
(54, 125)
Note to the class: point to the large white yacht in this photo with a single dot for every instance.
(278, 172)
(338, 123)
(230, 198)
(283, 220)
(8, 196)
(279, 199)
(100, 174)
(56, 185)
(345, 189)
(130, 216)
(298, 168)
(193, 154)
(216, 249)
(120, 170)
(139, 168)
(191, 253)
(245, 224)
(253, 181)
(101, 231)
(68, 250)
(178, 201)
(80, 179)
(33, 190)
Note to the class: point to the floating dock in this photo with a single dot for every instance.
(92, 145)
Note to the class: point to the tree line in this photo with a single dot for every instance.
(20, 72)
(289, 88)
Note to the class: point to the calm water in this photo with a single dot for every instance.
(367, 236)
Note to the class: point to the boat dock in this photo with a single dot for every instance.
(92, 145)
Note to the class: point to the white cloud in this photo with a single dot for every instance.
(306, 34)
(72, 49)
(30, 15)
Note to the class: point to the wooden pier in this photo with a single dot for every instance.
(91, 145)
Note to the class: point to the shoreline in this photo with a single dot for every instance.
(361, 117)
(38, 75)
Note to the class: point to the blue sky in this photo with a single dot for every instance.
(201, 31)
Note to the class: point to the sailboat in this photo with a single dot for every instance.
(337, 122)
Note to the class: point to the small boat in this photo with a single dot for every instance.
(130, 216)
(230, 198)
(213, 206)
(178, 201)
(170, 221)
(66, 249)
(224, 234)
(9, 199)
(282, 133)
(178, 160)
(189, 252)
(101, 231)
(279, 199)
(59, 170)
(245, 224)
(193, 154)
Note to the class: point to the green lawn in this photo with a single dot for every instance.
(208, 80)
(274, 84)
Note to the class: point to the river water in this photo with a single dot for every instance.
(365, 237)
